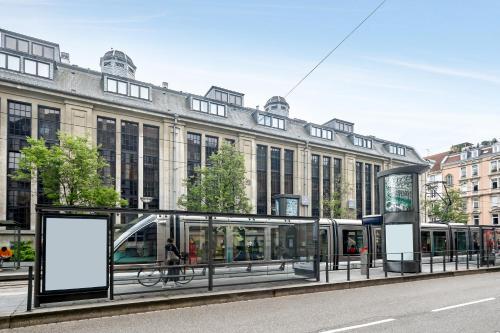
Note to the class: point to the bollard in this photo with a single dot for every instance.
(401, 265)
(432, 263)
(456, 260)
(30, 288)
(487, 258)
(444, 261)
(326, 271)
(477, 259)
(467, 259)
(210, 254)
(384, 264)
(367, 271)
(348, 267)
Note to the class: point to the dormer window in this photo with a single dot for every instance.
(16, 44)
(362, 142)
(126, 89)
(107, 63)
(37, 68)
(475, 153)
(463, 155)
(397, 150)
(496, 148)
(208, 107)
(10, 62)
(42, 51)
(270, 121)
(321, 133)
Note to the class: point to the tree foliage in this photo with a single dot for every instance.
(70, 172)
(219, 187)
(450, 209)
(336, 206)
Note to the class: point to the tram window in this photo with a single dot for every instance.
(323, 236)
(439, 242)
(460, 241)
(352, 241)
(139, 248)
(426, 241)
(475, 242)
(248, 243)
(220, 243)
(488, 238)
(378, 244)
(197, 245)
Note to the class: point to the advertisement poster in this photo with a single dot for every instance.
(292, 206)
(398, 193)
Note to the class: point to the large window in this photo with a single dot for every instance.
(362, 142)
(321, 133)
(130, 162)
(359, 190)
(288, 171)
(327, 196)
(475, 170)
(261, 179)
(337, 175)
(139, 248)
(208, 107)
(106, 140)
(211, 146)
(275, 175)
(398, 150)
(126, 89)
(315, 195)
(494, 166)
(10, 62)
(193, 154)
(48, 127)
(18, 192)
(376, 170)
(368, 189)
(43, 51)
(36, 68)
(463, 172)
(16, 44)
(151, 164)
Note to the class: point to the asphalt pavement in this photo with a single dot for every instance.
(459, 304)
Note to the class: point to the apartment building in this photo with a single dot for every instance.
(154, 137)
(475, 171)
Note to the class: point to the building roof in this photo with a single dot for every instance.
(437, 159)
(119, 55)
(276, 100)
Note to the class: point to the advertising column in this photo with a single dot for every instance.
(400, 207)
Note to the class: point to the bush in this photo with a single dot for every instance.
(27, 251)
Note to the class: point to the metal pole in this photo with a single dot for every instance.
(384, 264)
(348, 267)
(444, 261)
(432, 263)
(30, 288)
(38, 258)
(367, 270)
(487, 255)
(456, 260)
(477, 259)
(18, 254)
(111, 258)
(327, 275)
(317, 250)
(210, 254)
(401, 265)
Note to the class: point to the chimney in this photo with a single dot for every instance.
(65, 57)
(164, 85)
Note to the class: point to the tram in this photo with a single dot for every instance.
(256, 239)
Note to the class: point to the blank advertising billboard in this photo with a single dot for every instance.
(399, 239)
(76, 253)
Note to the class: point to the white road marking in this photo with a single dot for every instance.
(464, 304)
(343, 329)
(13, 293)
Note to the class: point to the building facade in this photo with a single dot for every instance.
(475, 172)
(154, 137)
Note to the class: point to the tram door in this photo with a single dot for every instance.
(377, 243)
(488, 246)
(459, 242)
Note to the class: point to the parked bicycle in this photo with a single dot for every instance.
(150, 276)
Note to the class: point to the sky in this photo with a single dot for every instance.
(423, 73)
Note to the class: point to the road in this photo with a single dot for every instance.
(458, 304)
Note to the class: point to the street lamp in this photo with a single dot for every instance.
(146, 201)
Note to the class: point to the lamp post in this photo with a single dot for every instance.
(146, 201)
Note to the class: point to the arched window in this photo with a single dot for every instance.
(449, 180)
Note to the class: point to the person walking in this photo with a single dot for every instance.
(173, 259)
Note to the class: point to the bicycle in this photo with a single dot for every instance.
(149, 277)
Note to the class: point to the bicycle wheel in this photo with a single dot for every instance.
(186, 275)
(148, 277)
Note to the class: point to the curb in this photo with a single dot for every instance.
(124, 307)
(13, 277)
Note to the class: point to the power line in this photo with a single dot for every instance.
(336, 47)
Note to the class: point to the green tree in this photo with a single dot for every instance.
(450, 209)
(219, 187)
(336, 206)
(70, 172)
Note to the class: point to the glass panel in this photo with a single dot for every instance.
(197, 245)
(14, 63)
(460, 241)
(475, 241)
(238, 100)
(213, 108)
(139, 248)
(10, 43)
(196, 104)
(378, 244)
(3, 60)
(134, 90)
(323, 251)
(37, 49)
(275, 122)
(221, 110)
(439, 242)
(232, 99)
(43, 70)
(48, 52)
(22, 45)
(352, 241)
(267, 120)
(204, 106)
(30, 67)
(260, 119)
(112, 85)
(144, 92)
(248, 243)
(122, 88)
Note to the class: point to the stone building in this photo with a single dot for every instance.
(153, 137)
